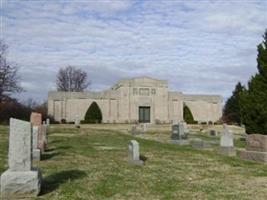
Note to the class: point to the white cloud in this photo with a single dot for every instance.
(200, 47)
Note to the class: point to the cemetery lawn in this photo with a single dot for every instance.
(91, 163)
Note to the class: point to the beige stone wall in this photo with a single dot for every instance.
(204, 108)
(121, 103)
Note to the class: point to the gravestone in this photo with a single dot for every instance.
(178, 135)
(186, 130)
(20, 180)
(137, 129)
(144, 127)
(77, 121)
(134, 130)
(174, 122)
(227, 142)
(36, 153)
(213, 133)
(42, 143)
(256, 149)
(45, 136)
(36, 119)
(48, 122)
(134, 156)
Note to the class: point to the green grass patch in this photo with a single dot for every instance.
(91, 163)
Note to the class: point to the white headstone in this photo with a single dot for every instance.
(134, 156)
(227, 138)
(19, 152)
(77, 121)
(181, 130)
(48, 122)
(20, 181)
(227, 142)
(134, 150)
(144, 127)
(185, 127)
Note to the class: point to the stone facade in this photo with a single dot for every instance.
(124, 102)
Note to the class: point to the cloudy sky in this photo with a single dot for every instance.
(201, 47)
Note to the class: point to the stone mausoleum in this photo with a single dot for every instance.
(141, 99)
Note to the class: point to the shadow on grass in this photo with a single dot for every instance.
(53, 181)
(49, 150)
(64, 147)
(54, 141)
(143, 158)
(47, 156)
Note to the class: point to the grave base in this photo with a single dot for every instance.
(137, 162)
(36, 154)
(16, 185)
(201, 145)
(228, 151)
(180, 142)
(257, 156)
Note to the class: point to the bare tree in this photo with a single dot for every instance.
(9, 79)
(72, 80)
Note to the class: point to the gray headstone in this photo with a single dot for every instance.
(213, 133)
(36, 153)
(20, 181)
(134, 131)
(178, 132)
(45, 136)
(134, 156)
(35, 133)
(19, 152)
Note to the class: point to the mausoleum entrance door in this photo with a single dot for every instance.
(144, 114)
